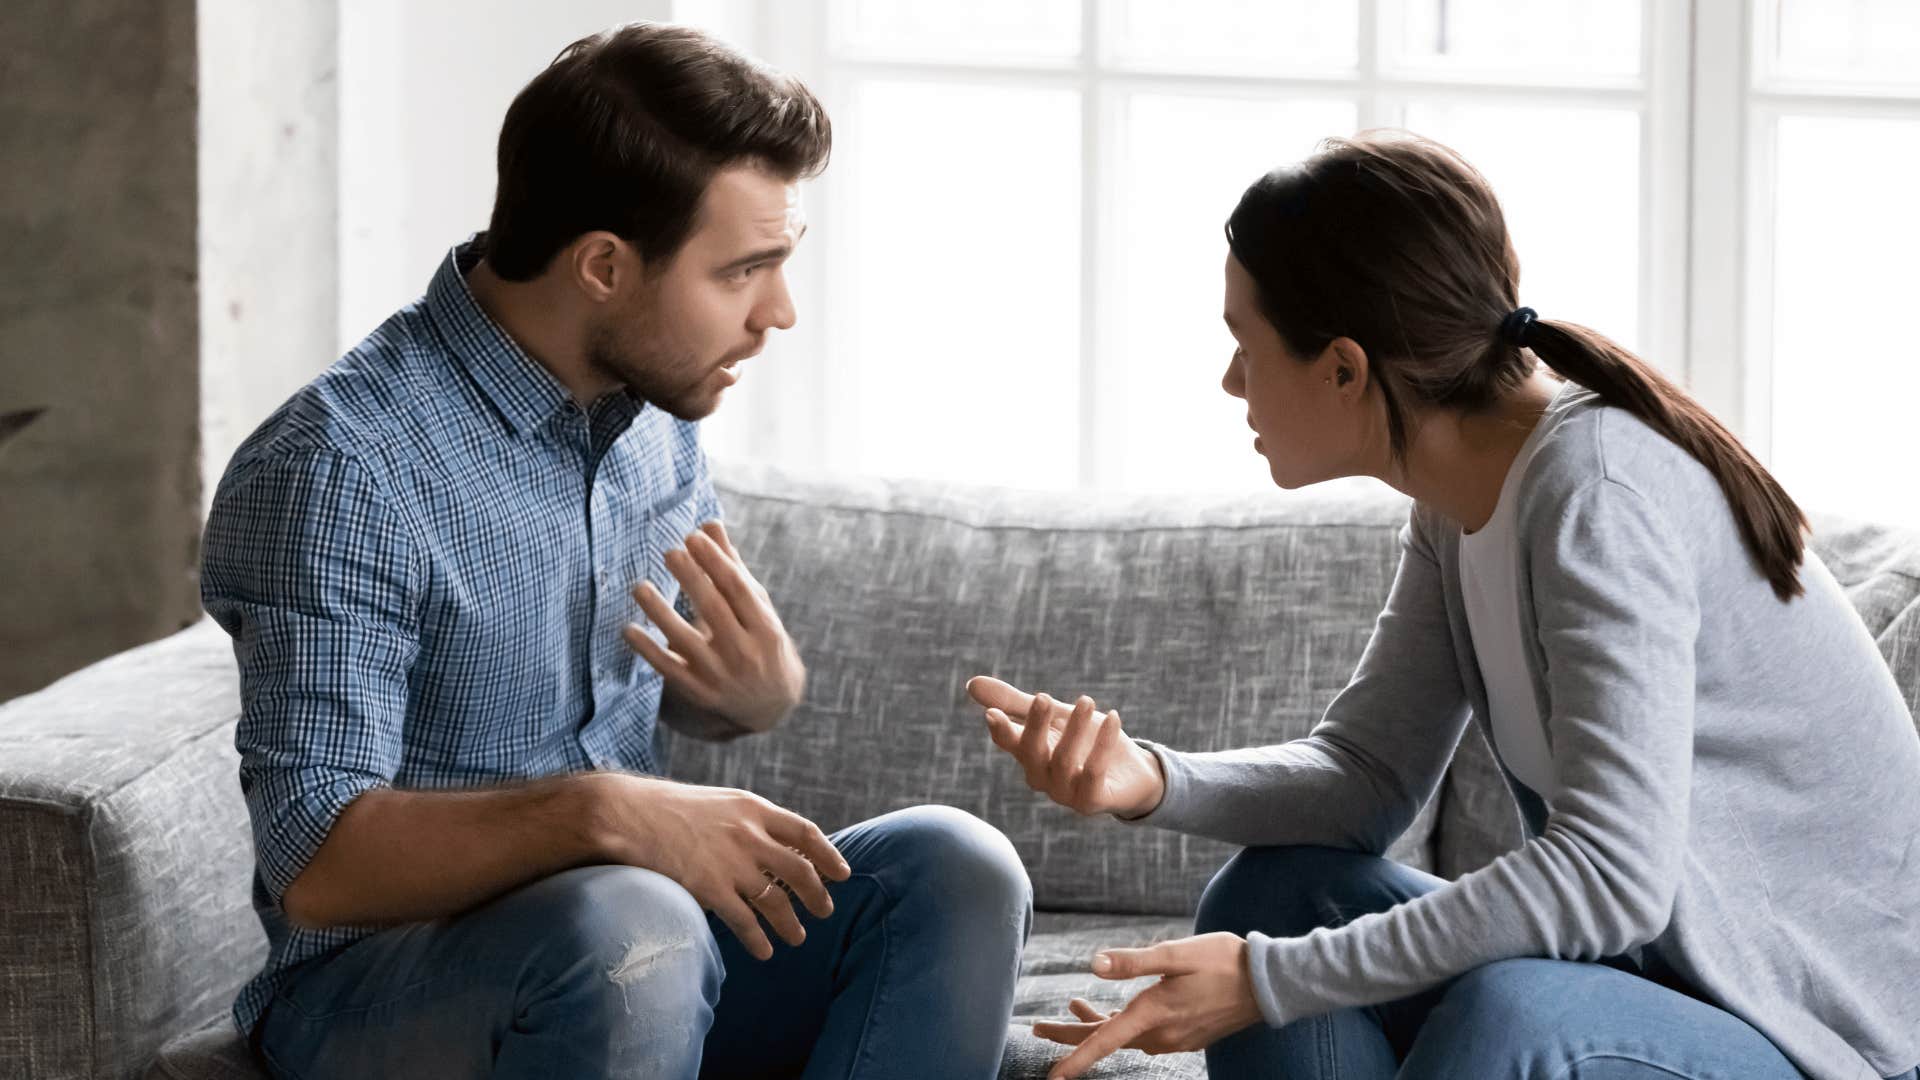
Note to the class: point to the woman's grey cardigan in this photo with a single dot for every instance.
(1739, 778)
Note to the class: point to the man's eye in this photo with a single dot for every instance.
(743, 273)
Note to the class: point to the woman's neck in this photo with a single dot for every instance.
(1457, 462)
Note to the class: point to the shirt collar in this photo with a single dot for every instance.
(525, 392)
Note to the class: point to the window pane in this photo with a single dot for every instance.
(1849, 41)
(1551, 38)
(1845, 382)
(1183, 163)
(956, 328)
(1275, 37)
(978, 31)
(1569, 184)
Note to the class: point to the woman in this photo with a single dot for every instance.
(1720, 779)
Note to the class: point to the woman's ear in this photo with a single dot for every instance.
(1346, 365)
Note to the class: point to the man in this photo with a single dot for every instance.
(464, 864)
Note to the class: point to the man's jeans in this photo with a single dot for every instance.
(614, 971)
(1527, 1018)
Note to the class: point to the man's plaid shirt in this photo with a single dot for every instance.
(424, 560)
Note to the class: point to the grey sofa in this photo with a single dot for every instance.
(1211, 622)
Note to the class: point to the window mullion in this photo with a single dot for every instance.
(1725, 365)
(1094, 454)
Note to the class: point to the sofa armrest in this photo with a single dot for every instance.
(125, 859)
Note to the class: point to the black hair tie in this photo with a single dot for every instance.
(1517, 328)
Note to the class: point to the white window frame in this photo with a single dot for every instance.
(1738, 102)
(1707, 117)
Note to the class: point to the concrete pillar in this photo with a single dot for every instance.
(100, 498)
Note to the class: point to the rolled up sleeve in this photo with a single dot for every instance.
(309, 569)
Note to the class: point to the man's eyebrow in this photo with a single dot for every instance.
(768, 254)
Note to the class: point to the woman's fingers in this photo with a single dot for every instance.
(1034, 744)
(1003, 731)
(1102, 757)
(1066, 1034)
(1119, 1030)
(1070, 757)
(1072, 1034)
(992, 693)
(1084, 1009)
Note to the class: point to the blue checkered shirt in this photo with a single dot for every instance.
(424, 560)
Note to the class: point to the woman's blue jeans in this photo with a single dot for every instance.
(615, 971)
(1529, 1018)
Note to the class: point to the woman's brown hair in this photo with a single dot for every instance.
(1396, 242)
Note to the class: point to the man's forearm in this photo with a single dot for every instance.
(406, 856)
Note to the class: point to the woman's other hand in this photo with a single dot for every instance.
(1204, 994)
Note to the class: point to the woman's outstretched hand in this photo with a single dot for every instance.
(1076, 755)
(1204, 994)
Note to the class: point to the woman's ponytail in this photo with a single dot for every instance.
(1771, 523)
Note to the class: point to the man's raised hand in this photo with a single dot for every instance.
(735, 658)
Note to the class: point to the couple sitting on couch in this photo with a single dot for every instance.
(468, 568)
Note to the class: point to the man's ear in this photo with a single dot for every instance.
(598, 264)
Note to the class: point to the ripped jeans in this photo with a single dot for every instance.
(615, 971)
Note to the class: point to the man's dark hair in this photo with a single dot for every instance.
(623, 132)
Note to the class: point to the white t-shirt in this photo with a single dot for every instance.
(1490, 587)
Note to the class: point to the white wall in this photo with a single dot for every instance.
(423, 87)
(268, 181)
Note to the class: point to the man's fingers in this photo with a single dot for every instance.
(681, 636)
(706, 598)
(805, 837)
(734, 910)
(802, 878)
(1166, 958)
(773, 903)
(673, 667)
(1122, 1028)
(729, 578)
(718, 532)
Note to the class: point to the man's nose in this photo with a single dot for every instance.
(775, 311)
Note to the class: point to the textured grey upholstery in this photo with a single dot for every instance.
(1210, 622)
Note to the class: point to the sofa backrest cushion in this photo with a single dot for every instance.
(1209, 622)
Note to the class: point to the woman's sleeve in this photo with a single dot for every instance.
(1361, 775)
(1618, 614)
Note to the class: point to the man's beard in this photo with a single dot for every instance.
(658, 373)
